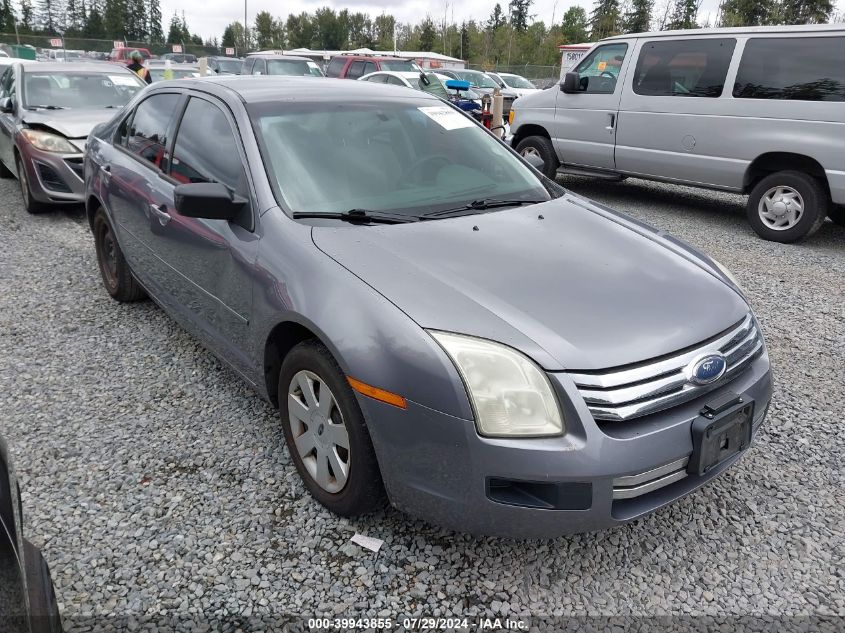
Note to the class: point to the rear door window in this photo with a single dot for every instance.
(356, 69)
(683, 68)
(248, 64)
(792, 69)
(599, 71)
(335, 67)
(147, 132)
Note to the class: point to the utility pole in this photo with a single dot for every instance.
(246, 41)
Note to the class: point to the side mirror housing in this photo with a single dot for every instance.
(570, 82)
(6, 105)
(208, 201)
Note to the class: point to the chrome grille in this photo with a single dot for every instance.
(624, 394)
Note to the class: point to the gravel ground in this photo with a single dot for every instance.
(155, 482)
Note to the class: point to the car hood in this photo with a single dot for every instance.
(582, 288)
(72, 123)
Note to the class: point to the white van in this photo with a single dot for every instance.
(759, 111)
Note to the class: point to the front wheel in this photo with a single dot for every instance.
(787, 206)
(326, 433)
(30, 204)
(117, 277)
(837, 214)
(541, 147)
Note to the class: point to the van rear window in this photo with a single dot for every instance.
(792, 68)
(695, 67)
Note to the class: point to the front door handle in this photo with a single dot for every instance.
(612, 125)
(159, 210)
(106, 171)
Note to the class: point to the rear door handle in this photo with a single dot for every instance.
(612, 125)
(160, 212)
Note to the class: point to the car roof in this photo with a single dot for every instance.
(269, 88)
(407, 74)
(739, 30)
(276, 56)
(75, 67)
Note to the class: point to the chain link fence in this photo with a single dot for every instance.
(44, 43)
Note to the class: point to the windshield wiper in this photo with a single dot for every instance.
(359, 215)
(482, 205)
(46, 107)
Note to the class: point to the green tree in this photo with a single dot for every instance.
(175, 34)
(427, 34)
(266, 31)
(26, 22)
(329, 33)
(684, 15)
(519, 14)
(48, 16)
(7, 16)
(114, 19)
(605, 19)
(383, 27)
(466, 47)
(747, 12)
(497, 18)
(233, 35)
(94, 27)
(638, 18)
(300, 30)
(806, 11)
(154, 28)
(75, 16)
(575, 25)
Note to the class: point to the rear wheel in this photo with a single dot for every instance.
(43, 608)
(326, 433)
(837, 214)
(540, 146)
(30, 204)
(117, 277)
(787, 206)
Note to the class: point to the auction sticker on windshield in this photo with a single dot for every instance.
(119, 80)
(446, 118)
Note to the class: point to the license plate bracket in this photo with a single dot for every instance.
(719, 436)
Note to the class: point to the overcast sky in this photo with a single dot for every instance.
(209, 17)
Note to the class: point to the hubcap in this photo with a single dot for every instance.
(530, 151)
(781, 208)
(319, 432)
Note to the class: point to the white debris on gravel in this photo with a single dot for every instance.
(155, 481)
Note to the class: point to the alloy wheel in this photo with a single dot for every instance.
(781, 208)
(319, 431)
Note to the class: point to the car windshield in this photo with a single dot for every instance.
(476, 79)
(410, 157)
(515, 81)
(157, 74)
(297, 67)
(79, 89)
(230, 66)
(399, 65)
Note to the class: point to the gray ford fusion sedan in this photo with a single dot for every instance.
(440, 326)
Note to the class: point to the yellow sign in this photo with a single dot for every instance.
(602, 66)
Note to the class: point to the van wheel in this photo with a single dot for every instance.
(326, 433)
(837, 214)
(787, 206)
(542, 147)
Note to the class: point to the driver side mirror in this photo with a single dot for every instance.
(6, 105)
(208, 201)
(570, 83)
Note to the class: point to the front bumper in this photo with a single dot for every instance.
(438, 468)
(53, 178)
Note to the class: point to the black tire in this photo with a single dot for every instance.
(30, 204)
(117, 277)
(836, 213)
(43, 608)
(542, 146)
(815, 202)
(363, 491)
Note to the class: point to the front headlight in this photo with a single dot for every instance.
(49, 142)
(730, 276)
(510, 395)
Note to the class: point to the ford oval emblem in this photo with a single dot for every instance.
(707, 369)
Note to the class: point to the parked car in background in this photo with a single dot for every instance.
(27, 598)
(483, 84)
(515, 83)
(60, 55)
(486, 371)
(757, 111)
(430, 82)
(46, 112)
(122, 54)
(180, 58)
(158, 70)
(266, 64)
(225, 65)
(354, 66)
